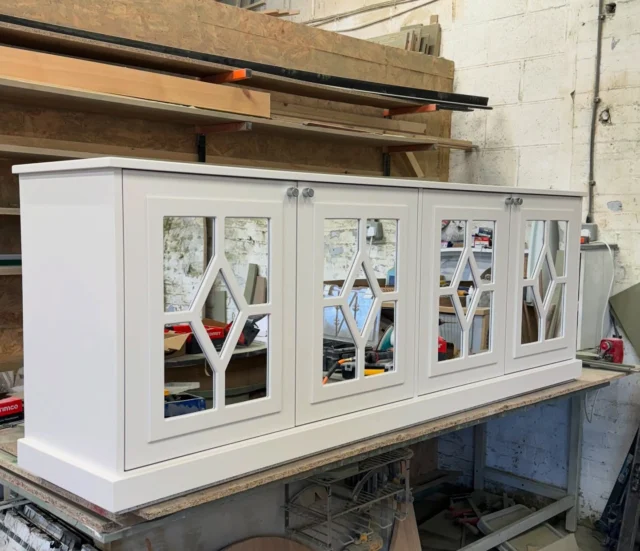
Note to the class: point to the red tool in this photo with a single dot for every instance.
(11, 409)
(612, 350)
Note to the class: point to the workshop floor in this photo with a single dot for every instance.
(587, 539)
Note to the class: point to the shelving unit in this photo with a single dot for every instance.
(205, 120)
(9, 211)
(353, 503)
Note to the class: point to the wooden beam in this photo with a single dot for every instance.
(79, 74)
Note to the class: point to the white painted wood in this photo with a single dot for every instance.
(72, 287)
(315, 401)
(92, 275)
(148, 198)
(120, 491)
(242, 172)
(436, 207)
(525, 356)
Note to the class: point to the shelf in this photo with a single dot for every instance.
(9, 211)
(65, 98)
(10, 270)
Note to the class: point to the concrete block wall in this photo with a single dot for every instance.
(535, 60)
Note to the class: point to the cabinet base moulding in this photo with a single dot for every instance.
(125, 490)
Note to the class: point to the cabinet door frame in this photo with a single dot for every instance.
(148, 198)
(546, 351)
(434, 375)
(315, 401)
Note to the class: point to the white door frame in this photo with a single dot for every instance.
(526, 356)
(315, 401)
(442, 205)
(148, 198)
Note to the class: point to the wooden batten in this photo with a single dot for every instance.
(90, 76)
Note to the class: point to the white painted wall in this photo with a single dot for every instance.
(535, 61)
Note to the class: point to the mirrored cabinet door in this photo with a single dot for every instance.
(356, 285)
(545, 248)
(210, 316)
(465, 240)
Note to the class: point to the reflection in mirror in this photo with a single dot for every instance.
(186, 254)
(247, 374)
(188, 248)
(361, 299)
(452, 241)
(530, 317)
(382, 237)
(554, 325)
(340, 249)
(558, 244)
(450, 335)
(544, 279)
(533, 245)
(339, 350)
(481, 339)
(188, 377)
(482, 232)
(246, 247)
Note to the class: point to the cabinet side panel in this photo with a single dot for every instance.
(73, 313)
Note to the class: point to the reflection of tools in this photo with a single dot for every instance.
(371, 362)
(218, 333)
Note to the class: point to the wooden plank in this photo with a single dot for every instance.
(217, 28)
(415, 165)
(405, 532)
(9, 211)
(319, 114)
(90, 76)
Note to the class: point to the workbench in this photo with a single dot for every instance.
(110, 531)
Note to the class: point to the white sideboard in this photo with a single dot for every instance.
(357, 279)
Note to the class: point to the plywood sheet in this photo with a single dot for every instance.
(79, 74)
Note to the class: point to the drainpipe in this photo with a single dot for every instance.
(594, 111)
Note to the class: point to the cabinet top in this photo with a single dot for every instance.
(260, 173)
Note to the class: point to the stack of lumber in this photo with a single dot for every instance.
(137, 78)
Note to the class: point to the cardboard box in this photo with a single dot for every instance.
(175, 344)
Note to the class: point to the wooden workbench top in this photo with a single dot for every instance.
(102, 522)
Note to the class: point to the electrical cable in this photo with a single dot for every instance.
(594, 111)
(381, 20)
(364, 9)
(606, 304)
